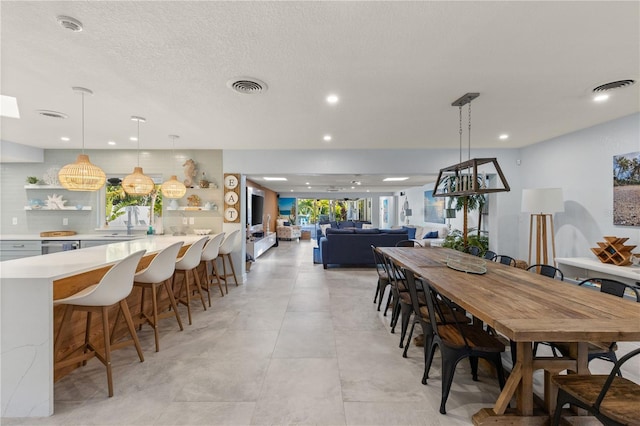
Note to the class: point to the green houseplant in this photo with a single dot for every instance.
(32, 180)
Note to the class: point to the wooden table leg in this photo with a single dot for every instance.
(524, 394)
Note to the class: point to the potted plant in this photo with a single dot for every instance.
(32, 180)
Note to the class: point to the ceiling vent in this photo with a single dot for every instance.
(70, 23)
(613, 85)
(334, 189)
(52, 114)
(247, 85)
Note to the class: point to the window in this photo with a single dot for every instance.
(120, 208)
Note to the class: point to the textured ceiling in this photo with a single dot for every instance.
(396, 66)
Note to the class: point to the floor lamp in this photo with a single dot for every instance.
(546, 201)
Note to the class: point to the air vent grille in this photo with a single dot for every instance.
(613, 85)
(247, 86)
(52, 114)
(70, 23)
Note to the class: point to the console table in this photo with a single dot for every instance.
(259, 245)
(585, 267)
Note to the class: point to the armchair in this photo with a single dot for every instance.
(289, 232)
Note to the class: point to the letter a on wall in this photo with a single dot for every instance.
(231, 198)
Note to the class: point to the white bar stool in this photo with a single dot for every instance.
(158, 273)
(209, 255)
(225, 253)
(112, 289)
(186, 266)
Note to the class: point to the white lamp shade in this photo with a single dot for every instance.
(542, 200)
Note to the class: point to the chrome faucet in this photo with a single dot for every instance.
(129, 223)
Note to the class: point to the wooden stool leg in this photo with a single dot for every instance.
(204, 280)
(233, 270)
(154, 306)
(224, 274)
(174, 305)
(185, 284)
(199, 288)
(132, 329)
(142, 319)
(86, 337)
(107, 347)
(217, 276)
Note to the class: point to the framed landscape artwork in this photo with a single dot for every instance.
(626, 189)
(433, 208)
(287, 209)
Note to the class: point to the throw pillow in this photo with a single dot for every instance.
(367, 226)
(432, 234)
(367, 231)
(411, 232)
(340, 231)
(323, 228)
(287, 224)
(280, 222)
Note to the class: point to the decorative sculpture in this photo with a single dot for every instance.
(189, 172)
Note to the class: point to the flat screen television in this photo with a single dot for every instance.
(257, 209)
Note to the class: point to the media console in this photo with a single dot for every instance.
(258, 246)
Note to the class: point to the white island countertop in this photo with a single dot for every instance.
(26, 315)
(115, 236)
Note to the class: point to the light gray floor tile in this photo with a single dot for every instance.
(301, 391)
(206, 413)
(390, 413)
(309, 344)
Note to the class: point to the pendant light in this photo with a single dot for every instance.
(82, 175)
(173, 188)
(137, 183)
(464, 178)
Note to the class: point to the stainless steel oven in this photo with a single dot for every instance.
(54, 246)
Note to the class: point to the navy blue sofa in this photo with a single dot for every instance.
(353, 246)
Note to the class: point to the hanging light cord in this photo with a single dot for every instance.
(138, 120)
(469, 144)
(460, 131)
(82, 93)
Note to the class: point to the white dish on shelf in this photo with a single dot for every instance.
(202, 231)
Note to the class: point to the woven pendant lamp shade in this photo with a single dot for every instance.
(137, 183)
(173, 188)
(82, 175)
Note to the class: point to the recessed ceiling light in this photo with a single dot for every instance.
(503, 137)
(307, 183)
(291, 190)
(368, 190)
(600, 97)
(65, 139)
(353, 187)
(327, 138)
(111, 142)
(274, 178)
(394, 179)
(309, 187)
(332, 99)
(9, 107)
(133, 139)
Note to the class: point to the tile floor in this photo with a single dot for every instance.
(295, 344)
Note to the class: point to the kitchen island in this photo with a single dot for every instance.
(26, 315)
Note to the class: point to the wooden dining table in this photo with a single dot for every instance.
(525, 307)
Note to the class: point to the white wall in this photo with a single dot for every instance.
(581, 164)
(119, 162)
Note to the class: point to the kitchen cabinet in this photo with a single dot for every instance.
(16, 249)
